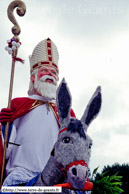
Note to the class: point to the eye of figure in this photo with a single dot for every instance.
(44, 70)
(53, 72)
(67, 140)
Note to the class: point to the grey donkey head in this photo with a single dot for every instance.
(73, 147)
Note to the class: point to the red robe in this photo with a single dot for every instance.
(21, 106)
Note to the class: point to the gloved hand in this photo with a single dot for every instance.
(6, 115)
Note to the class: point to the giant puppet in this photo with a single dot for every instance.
(35, 120)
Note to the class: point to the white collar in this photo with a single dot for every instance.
(42, 98)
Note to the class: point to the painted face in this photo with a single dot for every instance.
(47, 70)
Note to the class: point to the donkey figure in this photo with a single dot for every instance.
(71, 153)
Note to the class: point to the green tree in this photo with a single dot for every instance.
(122, 170)
(105, 184)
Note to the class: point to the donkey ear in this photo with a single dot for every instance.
(93, 107)
(63, 101)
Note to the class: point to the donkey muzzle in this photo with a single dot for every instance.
(77, 176)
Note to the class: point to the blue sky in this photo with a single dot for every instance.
(93, 42)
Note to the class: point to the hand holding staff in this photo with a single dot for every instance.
(21, 9)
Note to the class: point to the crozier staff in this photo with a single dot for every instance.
(12, 49)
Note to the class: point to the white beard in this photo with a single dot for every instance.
(47, 90)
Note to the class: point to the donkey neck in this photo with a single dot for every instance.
(52, 173)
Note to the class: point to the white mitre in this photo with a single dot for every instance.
(45, 53)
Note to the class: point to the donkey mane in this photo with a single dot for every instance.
(76, 125)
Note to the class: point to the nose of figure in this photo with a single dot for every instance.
(49, 73)
(77, 176)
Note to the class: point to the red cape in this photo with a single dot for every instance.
(21, 106)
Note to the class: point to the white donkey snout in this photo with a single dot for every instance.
(77, 176)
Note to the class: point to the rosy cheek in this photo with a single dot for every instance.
(41, 74)
(54, 77)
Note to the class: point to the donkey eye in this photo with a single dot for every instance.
(67, 140)
(90, 145)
